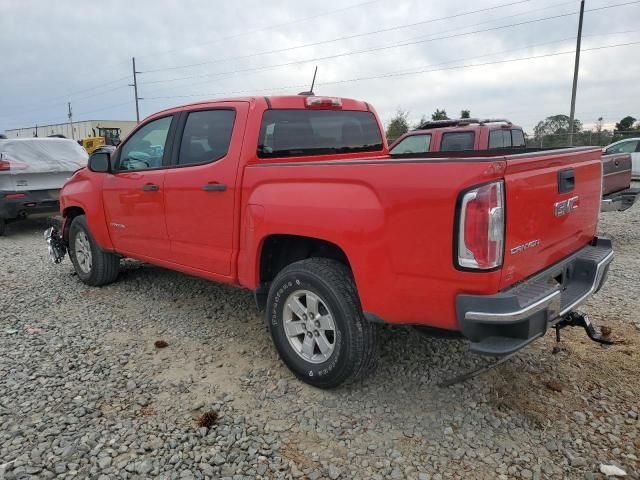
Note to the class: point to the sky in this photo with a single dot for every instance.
(496, 58)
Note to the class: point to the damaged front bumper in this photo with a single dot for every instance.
(55, 245)
(503, 323)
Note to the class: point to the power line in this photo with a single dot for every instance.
(399, 74)
(262, 29)
(411, 70)
(415, 42)
(497, 62)
(51, 104)
(372, 77)
(347, 37)
(269, 27)
(386, 47)
(39, 105)
(355, 52)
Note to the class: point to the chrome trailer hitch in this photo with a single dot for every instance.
(579, 319)
(571, 319)
(55, 244)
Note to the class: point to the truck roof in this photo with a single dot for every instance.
(273, 101)
(463, 122)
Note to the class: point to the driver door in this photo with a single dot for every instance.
(134, 193)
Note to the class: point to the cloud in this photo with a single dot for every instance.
(70, 50)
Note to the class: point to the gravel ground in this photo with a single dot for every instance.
(85, 393)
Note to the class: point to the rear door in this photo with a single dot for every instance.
(134, 196)
(200, 188)
(631, 147)
(552, 206)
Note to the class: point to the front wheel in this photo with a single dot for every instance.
(94, 266)
(317, 324)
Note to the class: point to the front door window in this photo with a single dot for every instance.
(145, 149)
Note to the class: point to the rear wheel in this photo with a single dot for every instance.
(3, 226)
(317, 324)
(94, 266)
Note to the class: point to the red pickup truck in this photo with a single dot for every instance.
(298, 199)
(492, 136)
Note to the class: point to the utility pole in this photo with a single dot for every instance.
(135, 88)
(70, 115)
(575, 74)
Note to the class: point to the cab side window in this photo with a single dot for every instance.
(457, 141)
(517, 137)
(500, 138)
(413, 144)
(145, 149)
(206, 136)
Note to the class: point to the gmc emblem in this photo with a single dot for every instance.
(566, 206)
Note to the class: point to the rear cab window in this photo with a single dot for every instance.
(457, 141)
(413, 144)
(293, 133)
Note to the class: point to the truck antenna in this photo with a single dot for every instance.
(313, 82)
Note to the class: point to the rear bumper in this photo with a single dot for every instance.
(15, 205)
(619, 201)
(505, 322)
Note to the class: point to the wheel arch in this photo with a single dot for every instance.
(276, 251)
(69, 213)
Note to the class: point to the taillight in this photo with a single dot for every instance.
(323, 102)
(4, 165)
(13, 196)
(481, 227)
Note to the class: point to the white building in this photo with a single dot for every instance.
(85, 128)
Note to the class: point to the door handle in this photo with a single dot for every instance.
(150, 187)
(214, 187)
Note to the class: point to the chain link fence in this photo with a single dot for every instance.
(580, 139)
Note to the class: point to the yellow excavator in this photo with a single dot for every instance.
(90, 144)
(106, 136)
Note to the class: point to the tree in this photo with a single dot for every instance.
(439, 115)
(599, 125)
(397, 126)
(465, 114)
(554, 130)
(626, 123)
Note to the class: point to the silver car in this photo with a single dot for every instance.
(630, 146)
(32, 172)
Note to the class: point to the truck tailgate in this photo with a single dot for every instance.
(552, 204)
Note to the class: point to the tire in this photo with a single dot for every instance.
(3, 227)
(100, 268)
(348, 340)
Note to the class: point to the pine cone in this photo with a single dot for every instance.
(207, 419)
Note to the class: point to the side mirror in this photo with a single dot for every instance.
(117, 142)
(99, 162)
